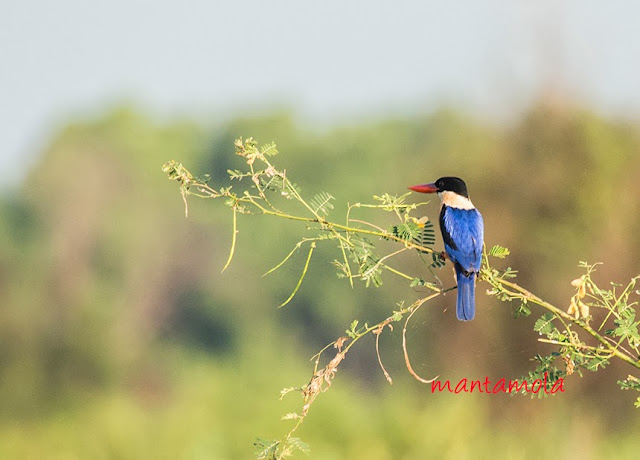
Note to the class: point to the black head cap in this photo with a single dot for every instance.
(452, 184)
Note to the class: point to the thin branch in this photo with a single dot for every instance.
(404, 341)
(525, 294)
(377, 333)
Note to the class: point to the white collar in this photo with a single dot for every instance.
(453, 200)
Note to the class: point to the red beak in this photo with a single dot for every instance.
(424, 188)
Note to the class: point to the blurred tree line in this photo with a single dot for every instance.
(119, 337)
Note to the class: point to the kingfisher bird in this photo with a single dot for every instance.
(462, 230)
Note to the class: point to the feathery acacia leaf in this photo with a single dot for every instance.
(499, 251)
(409, 230)
(321, 203)
(269, 149)
(438, 260)
(427, 236)
(544, 325)
(265, 449)
(369, 266)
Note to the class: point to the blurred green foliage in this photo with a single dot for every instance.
(119, 337)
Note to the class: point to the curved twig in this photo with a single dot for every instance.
(404, 343)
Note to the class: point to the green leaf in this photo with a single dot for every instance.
(289, 190)
(237, 174)
(499, 251)
(508, 273)
(321, 203)
(545, 365)
(205, 178)
(269, 149)
(299, 445)
(369, 268)
(392, 202)
(265, 449)
(353, 329)
(630, 383)
(177, 172)
(596, 362)
(545, 324)
(522, 310)
(416, 282)
(438, 260)
(627, 327)
(427, 235)
(406, 231)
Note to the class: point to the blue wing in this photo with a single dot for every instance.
(463, 235)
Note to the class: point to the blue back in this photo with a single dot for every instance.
(463, 234)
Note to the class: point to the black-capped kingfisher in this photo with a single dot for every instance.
(462, 230)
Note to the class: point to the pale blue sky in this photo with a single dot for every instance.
(330, 59)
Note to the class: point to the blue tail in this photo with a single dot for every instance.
(466, 305)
